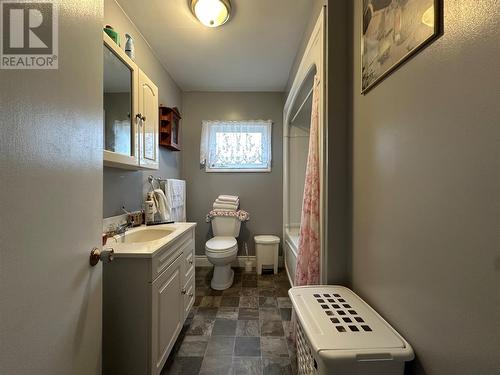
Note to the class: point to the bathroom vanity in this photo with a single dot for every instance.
(148, 290)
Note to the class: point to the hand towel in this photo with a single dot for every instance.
(161, 204)
(177, 189)
(175, 192)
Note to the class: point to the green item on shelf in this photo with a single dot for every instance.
(112, 34)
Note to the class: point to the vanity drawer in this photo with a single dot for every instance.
(189, 296)
(170, 252)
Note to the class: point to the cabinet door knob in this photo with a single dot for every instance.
(191, 261)
(191, 294)
(141, 118)
(183, 291)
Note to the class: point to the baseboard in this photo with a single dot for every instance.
(202, 261)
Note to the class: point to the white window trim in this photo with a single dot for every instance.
(204, 151)
(230, 170)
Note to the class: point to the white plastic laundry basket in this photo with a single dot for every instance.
(338, 333)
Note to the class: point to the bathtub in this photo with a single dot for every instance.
(290, 251)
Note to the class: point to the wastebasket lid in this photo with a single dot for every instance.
(267, 239)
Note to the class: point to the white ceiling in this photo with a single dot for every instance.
(254, 51)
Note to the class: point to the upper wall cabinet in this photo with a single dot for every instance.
(148, 126)
(130, 101)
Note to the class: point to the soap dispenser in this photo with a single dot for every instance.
(149, 209)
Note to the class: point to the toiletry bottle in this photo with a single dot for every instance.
(112, 34)
(129, 46)
(149, 214)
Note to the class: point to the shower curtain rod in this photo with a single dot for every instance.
(302, 105)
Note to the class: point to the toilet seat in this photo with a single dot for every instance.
(221, 245)
(221, 251)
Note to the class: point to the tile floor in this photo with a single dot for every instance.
(243, 330)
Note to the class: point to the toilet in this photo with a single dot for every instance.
(222, 249)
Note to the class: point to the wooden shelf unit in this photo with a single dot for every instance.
(169, 131)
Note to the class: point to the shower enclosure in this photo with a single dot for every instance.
(297, 121)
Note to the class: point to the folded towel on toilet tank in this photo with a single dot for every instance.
(225, 206)
(228, 198)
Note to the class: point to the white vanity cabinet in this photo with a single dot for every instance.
(130, 112)
(167, 313)
(145, 303)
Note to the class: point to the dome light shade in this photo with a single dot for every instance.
(211, 13)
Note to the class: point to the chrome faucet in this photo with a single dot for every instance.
(120, 229)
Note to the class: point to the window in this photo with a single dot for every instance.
(236, 146)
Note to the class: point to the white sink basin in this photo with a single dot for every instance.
(144, 241)
(144, 235)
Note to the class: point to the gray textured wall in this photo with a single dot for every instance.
(122, 187)
(425, 194)
(260, 193)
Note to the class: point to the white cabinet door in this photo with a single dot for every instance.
(168, 313)
(51, 148)
(148, 130)
(120, 102)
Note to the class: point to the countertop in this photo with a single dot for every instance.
(150, 248)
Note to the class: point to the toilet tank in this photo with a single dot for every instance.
(226, 226)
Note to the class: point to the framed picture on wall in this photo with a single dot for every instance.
(392, 32)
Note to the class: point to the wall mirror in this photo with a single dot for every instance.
(117, 101)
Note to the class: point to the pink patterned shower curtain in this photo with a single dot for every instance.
(307, 272)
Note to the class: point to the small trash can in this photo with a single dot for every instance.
(266, 251)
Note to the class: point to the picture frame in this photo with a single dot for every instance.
(392, 32)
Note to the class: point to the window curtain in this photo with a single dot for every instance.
(308, 258)
(240, 151)
(204, 143)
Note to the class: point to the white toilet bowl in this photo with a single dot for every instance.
(221, 251)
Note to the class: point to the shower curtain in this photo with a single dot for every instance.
(307, 271)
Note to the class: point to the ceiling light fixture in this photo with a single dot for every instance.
(211, 13)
